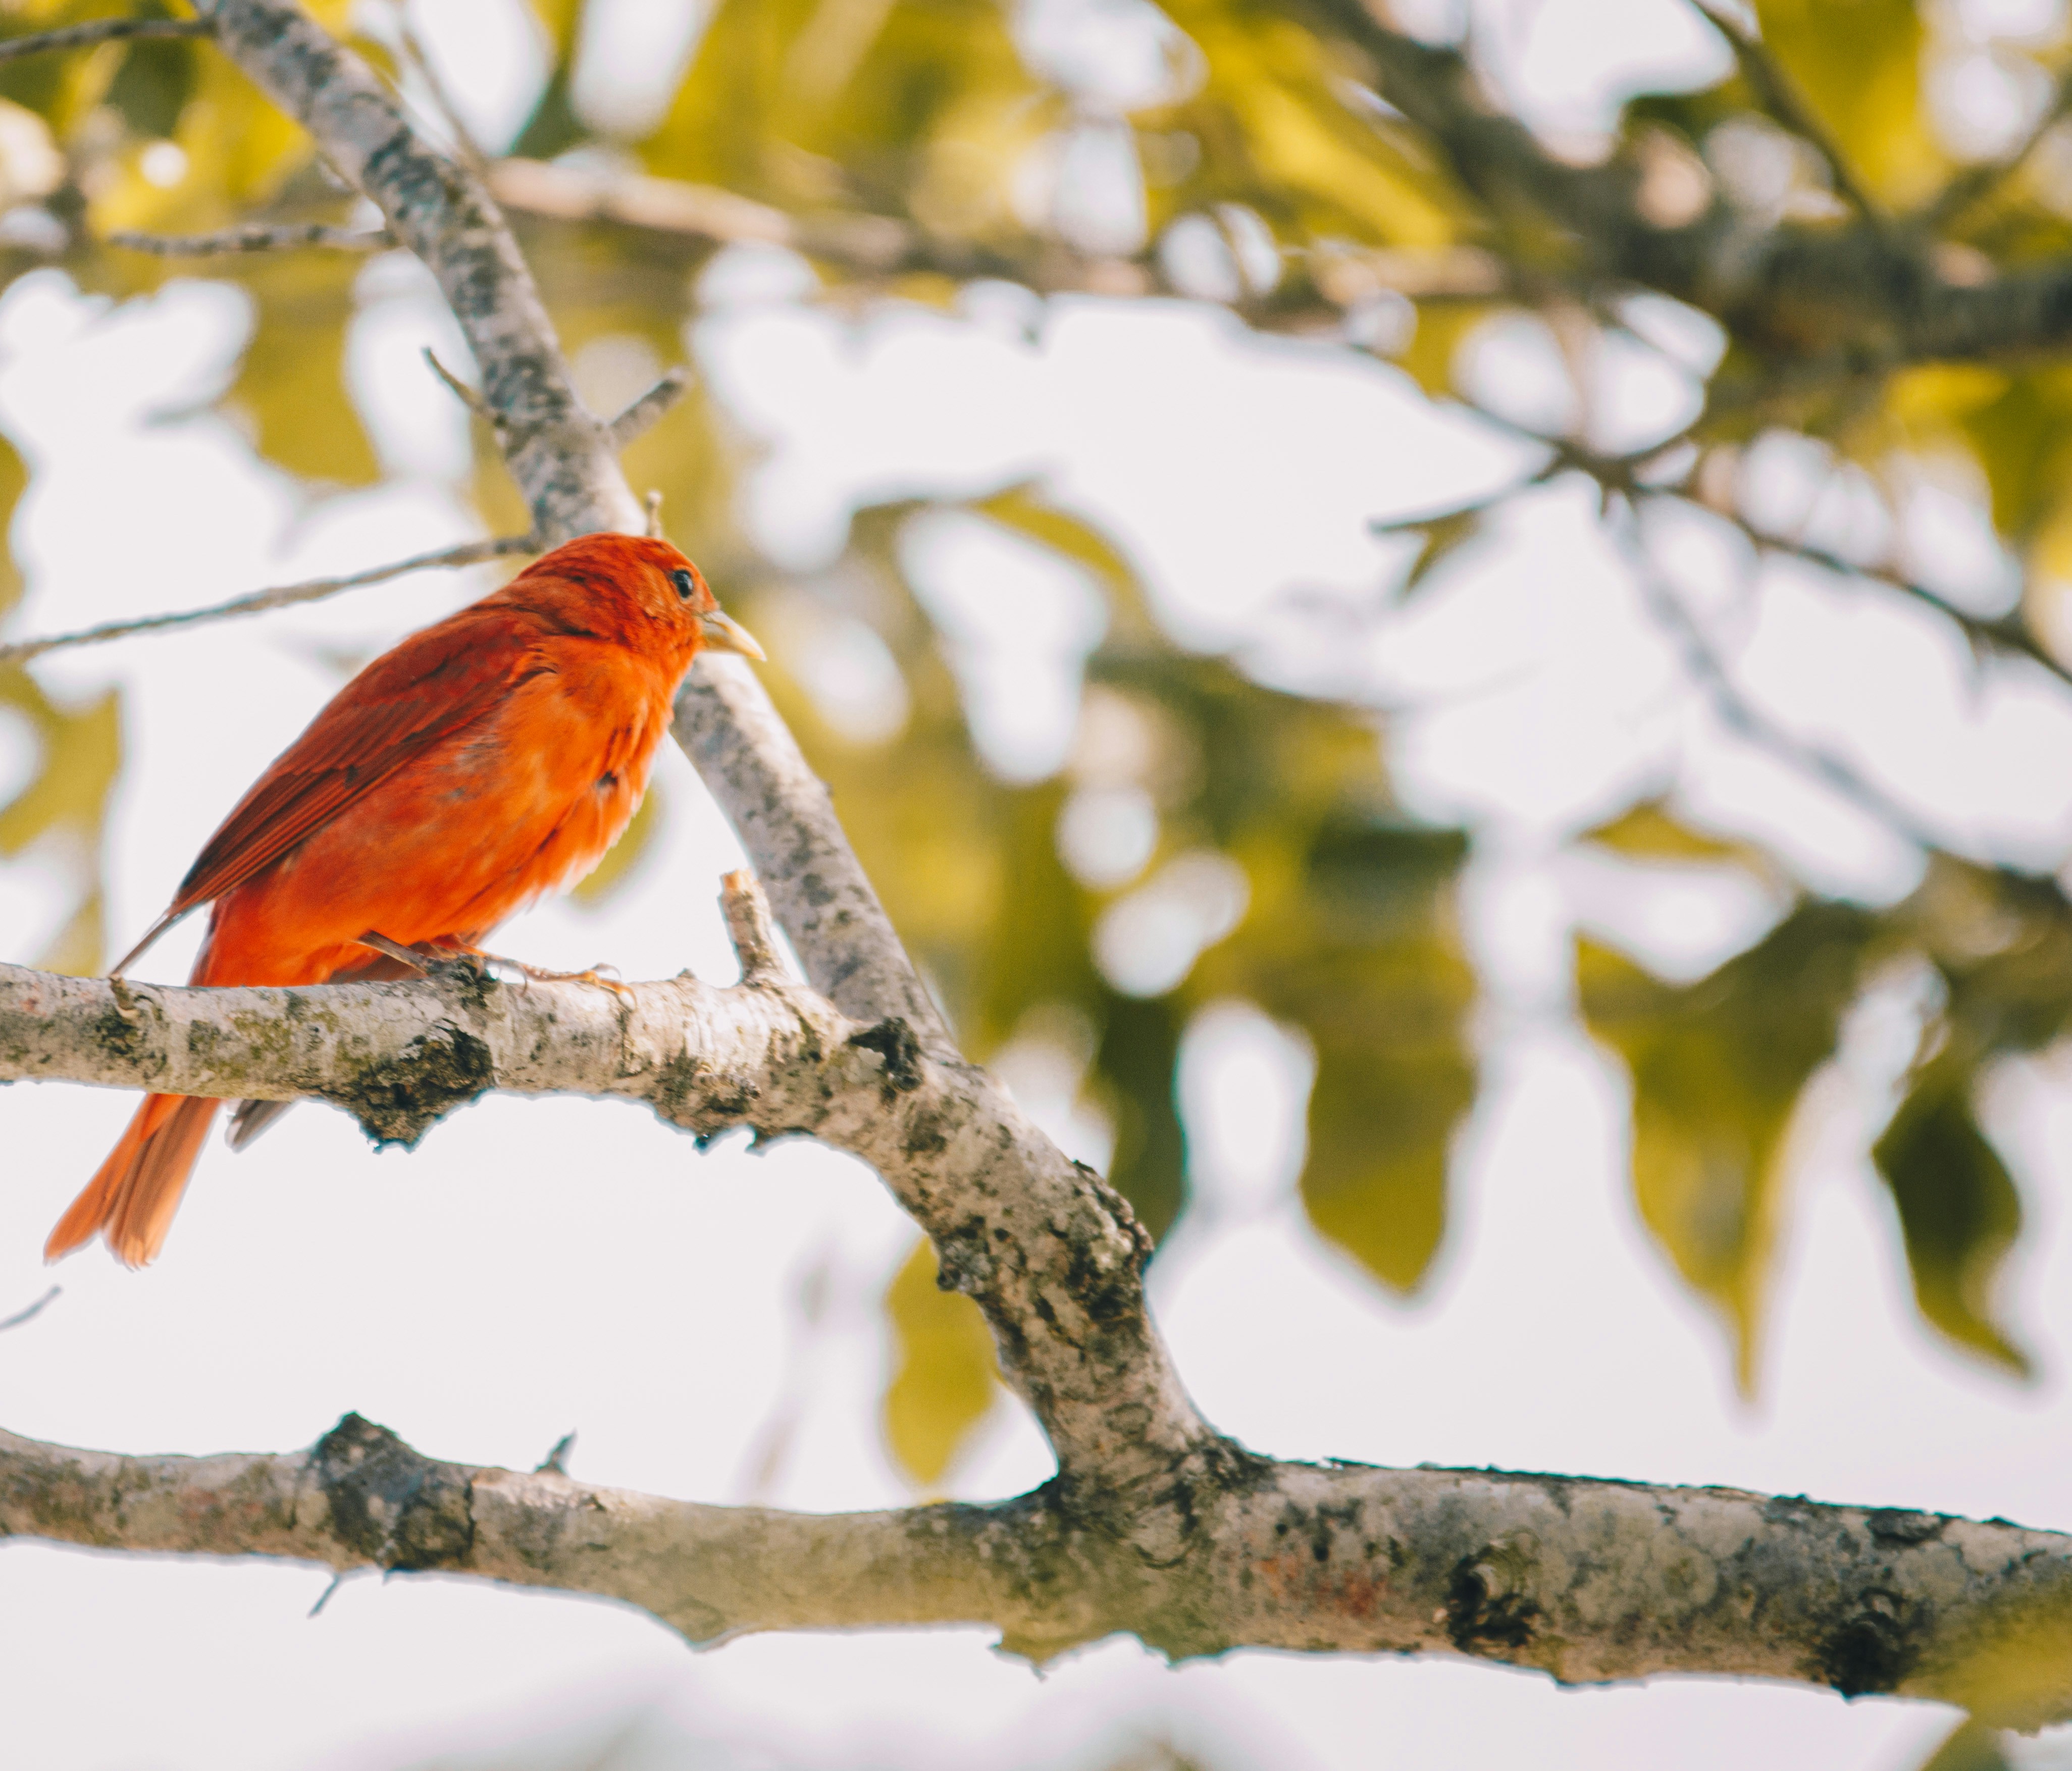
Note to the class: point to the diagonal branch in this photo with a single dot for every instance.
(282, 597)
(566, 462)
(1046, 1249)
(1589, 1580)
(1782, 102)
(646, 411)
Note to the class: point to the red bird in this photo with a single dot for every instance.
(491, 757)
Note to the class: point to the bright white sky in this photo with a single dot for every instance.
(540, 1266)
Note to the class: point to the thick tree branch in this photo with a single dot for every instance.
(1049, 1251)
(561, 455)
(1589, 1580)
(565, 462)
(1154, 1525)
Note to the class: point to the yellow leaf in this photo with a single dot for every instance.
(944, 1381)
(1958, 1208)
(1717, 1067)
(1856, 63)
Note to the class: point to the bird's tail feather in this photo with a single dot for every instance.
(132, 1198)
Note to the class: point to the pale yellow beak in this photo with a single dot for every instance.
(723, 633)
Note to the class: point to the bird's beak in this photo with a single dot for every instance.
(723, 633)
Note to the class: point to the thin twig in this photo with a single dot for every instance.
(311, 590)
(749, 927)
(1780, 98)
(557, 1461)
(31, 1313)
(1979, 181)
(102, 31)
(2009, 634)
(442, 100)
(644, 412)
(256, 237)
(1739, 714)
(459, 389)
(652, 505)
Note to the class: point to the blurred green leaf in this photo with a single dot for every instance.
(1970, 1746)
(1647, 830)
(944, 1379)
(291, 384)
(1717, 1067)
(1857, 65)
(1959, 1209)
(80, 751)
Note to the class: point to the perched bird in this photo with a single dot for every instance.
(491, 758)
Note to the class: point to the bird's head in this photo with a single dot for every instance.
(638, 589)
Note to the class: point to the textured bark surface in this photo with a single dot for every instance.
(1155, 1525)
(1050, 1253)
(1587, 1581)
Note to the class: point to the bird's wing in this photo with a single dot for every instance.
(431, 686)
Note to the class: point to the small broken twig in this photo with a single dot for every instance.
(102, 30)
(557, 1461)
(256, 237)
(31, 1313)
(652, 505)
(644, 412)
(459, 389)
(749, 927)
(311, 590)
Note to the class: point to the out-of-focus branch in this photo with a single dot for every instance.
(1702, 661)
(1589, 1580)
(256, 237)
(1975, 183)
(2008, 636)
(281, 597)
(100, 30)
(32, 1311)
(1781, 101)
(644, 412)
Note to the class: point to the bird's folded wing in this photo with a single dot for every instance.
(433, 685)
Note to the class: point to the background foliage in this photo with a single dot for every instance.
(1314, 170)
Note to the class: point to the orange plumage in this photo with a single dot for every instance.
(491, 757)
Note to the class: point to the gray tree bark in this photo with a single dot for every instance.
(1155, 1524)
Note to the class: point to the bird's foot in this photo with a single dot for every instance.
(605, 977)
(440, 958)
(436, 958)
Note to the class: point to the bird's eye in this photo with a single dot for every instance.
(686, 587)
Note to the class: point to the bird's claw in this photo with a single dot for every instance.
(605, 977)
(431, 959)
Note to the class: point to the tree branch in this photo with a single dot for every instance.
(559, 455)
(565, 462)
(1049, 1251)
(282, 597)
(255, 236)
(1589, 1580)
(646, 411)
(1781, 101)
(102, 31)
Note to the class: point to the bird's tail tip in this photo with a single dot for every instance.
(133, 1196)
